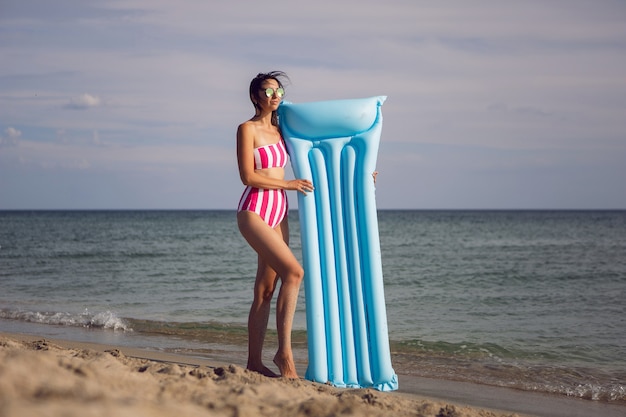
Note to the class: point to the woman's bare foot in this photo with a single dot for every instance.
(286, 366)
(263, 370)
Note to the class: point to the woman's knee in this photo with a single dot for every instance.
(268, 293)
(264, 295)
(294, 276)
(264, 288)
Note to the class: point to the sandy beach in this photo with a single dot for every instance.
(43, 378)
(66, 378)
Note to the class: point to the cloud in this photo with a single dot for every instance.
(11, 137)
(13, 133)
(83, 102)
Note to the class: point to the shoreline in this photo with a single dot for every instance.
(431, 396)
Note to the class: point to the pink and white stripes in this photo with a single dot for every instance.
(270, 205)
(270, 156)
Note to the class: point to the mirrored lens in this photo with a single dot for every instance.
(269, 92)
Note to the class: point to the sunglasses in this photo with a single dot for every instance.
(269, 92)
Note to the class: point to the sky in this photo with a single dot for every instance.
(134, 104)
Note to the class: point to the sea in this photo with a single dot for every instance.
(533, 300)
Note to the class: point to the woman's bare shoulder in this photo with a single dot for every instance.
(247, 127)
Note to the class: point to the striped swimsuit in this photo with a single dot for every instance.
(271, 205)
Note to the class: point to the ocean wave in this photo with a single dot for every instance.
(101, 320)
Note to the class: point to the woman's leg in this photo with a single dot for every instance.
(285, 311)
(264, 287)
(271, 245)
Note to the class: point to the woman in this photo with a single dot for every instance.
(262, 220)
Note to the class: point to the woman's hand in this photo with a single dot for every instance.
(304, 186)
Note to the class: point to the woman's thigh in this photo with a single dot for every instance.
(269, 243)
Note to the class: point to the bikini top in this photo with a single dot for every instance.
(270, 156)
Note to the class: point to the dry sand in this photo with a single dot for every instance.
(64, 378)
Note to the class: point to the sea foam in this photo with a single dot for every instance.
(102, 320)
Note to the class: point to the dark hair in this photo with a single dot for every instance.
(255, 88)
